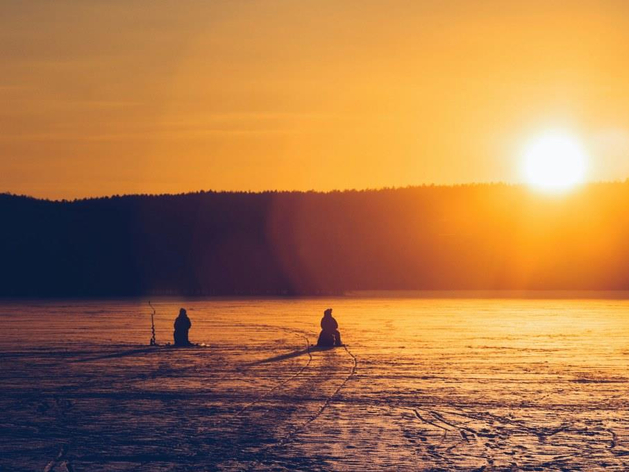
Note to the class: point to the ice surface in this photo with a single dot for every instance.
(425, 384)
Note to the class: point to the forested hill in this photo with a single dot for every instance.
(208, 243)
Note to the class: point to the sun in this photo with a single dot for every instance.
(554, 161)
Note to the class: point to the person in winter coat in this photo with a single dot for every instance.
(330, 335)
(182, 326)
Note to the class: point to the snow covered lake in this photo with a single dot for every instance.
(424, 384)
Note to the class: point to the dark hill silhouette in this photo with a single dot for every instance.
(209, 243)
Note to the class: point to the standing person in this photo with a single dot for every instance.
(330, 335)
(182, 326)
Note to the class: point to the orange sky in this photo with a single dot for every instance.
(114, 96)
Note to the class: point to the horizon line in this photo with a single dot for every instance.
(313, 191)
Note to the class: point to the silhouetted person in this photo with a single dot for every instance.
(182, 326)
(330, 335)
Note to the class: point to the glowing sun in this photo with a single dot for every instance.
(554, 162)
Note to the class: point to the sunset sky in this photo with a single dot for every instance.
(111, 97)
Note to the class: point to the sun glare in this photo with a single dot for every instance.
(554, 162)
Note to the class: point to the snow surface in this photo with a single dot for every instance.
(424, 384)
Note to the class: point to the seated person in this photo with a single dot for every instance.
(330, 335)
(182, 326)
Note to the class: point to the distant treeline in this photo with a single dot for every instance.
(305, 243)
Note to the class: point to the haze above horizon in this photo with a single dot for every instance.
(103, 98)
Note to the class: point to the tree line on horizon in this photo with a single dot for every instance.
(469, 237)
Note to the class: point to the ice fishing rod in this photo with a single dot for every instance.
(153, 342)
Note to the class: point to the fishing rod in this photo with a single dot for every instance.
(153, 342)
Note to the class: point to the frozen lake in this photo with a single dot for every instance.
(424, 384)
